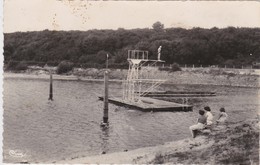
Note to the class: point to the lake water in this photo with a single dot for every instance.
(69, 126)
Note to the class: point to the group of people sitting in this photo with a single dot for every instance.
(205, 120)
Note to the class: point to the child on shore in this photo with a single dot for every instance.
(202, 120)
(209, 116)
(222, 116)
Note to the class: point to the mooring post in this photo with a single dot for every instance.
(105, 117)
(51, 91)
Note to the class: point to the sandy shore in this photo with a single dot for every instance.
(145, 155)
(225, 144)
(201, 76)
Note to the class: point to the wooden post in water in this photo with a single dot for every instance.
(105, 117)
(51, 91)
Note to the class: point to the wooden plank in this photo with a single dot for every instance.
(179, 94)
(151, 104)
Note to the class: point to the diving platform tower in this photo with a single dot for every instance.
(137, 88)
(133, 86)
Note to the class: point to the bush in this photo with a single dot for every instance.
(175, 67)
(21, 66)
(92, 65)
(64, 67)
(16, 65)
(11, 65)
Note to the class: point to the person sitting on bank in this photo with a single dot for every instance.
(202, 120)
(222, 116)
(209, 116)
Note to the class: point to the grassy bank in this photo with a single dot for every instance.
(235, 143)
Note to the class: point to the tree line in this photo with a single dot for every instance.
(227, 46)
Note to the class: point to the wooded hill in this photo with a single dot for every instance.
(228, 46)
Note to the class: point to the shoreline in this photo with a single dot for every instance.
(183, 78)
(55, 77)
(143, 155)
(221, 146)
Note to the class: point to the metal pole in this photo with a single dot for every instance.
(51, 91)
(105, 117)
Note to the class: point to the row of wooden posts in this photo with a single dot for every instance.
(105, 116)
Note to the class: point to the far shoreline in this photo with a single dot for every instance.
(186, 77)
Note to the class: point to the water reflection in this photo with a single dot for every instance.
(105, 139)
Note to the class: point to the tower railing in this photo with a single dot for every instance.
(132, 86)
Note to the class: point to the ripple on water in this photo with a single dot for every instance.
(69, 126)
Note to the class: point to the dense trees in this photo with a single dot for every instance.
(228, 46)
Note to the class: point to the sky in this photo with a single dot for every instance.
(36, 15)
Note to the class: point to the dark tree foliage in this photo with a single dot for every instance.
(158, 26)
(64, 67)
(228, 46)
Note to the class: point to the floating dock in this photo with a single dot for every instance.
(178, 94)
(148, 104)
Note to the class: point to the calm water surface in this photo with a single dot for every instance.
(68, 127)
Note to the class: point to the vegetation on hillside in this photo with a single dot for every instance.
(235, 144)
(228, 46)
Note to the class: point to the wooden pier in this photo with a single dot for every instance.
(150, 104)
